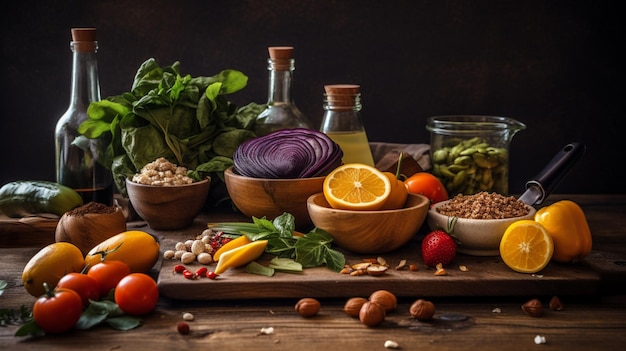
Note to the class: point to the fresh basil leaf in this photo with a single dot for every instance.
(285, 265)
(123, 322)
(264, 224)
(285, 224)
(257, 268)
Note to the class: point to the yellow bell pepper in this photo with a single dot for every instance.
(566, 223)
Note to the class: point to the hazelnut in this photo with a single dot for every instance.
(353, 306)
(556, 304)
(372, 314)
(422, 310)
(533, 308)
(384, 298)
(307, 307)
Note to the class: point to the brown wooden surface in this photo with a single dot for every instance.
(593, 318)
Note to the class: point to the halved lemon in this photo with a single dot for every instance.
(356, 186)
(526, 246)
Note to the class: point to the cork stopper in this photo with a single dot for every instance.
(84, 39)
(342, 95)
(281, 57)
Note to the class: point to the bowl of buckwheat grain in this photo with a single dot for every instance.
(165, 197)
(478, 221)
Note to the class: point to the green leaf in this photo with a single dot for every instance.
(257, 268)
(30, 329)
(264, 224)
(123, 322)
(285, 265)
(285, 224)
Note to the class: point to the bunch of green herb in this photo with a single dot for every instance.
(312, 249)
(188, 120)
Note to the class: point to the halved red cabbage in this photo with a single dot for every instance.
(288, 154)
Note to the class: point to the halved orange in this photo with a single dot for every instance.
(526, 246)
(356, 186)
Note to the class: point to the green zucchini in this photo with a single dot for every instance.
(25, 197)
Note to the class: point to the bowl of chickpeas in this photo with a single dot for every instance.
(165, 197)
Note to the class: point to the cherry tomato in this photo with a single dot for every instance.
(136, 294)
(108, 274)
(87, 287)
(58, 310)
(428, 185)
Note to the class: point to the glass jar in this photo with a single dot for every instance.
(78, 159)
(281, 111)
(470, 154)
(343, 124)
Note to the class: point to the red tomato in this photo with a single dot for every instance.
(87, 287)
(108, 274)
(136, 294)
(58, 310)
(428, 185)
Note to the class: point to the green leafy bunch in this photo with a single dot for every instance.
(313, 249)
(188, 120)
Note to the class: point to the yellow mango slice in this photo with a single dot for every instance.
(240, 255)
(235, 243)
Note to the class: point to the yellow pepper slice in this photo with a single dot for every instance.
(240, 255)
(566, 223)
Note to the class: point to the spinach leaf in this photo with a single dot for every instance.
(188, 120)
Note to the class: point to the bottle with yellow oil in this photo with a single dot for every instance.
(343, 124)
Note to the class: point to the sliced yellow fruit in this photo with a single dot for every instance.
(356, 186)
(240, 255)
(235, 243)
(526, 246)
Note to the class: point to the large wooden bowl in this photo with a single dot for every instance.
(270, 198)
(369, 232)
(168, 207)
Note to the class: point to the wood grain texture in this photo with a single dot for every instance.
(461, 322)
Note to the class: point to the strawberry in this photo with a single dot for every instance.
(439, 246)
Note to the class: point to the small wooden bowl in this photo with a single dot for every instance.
(168, 207)
(270, 198)
(477, 237)
(369, 232)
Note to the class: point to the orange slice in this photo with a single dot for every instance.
(526, 246)
(240, 255)
(356, 186)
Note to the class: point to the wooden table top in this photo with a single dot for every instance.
(591, 318)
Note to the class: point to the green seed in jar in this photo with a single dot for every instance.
(485, 161)
(440, 155)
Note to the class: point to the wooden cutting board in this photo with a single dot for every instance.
(486, 276)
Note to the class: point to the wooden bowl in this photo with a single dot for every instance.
(168, 207)
(477, 237)
(369, 232)
(270, 198)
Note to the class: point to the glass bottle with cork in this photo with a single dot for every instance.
(342, 122)
(281, 111)
(77, 157)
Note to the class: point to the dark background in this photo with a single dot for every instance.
(553, 65)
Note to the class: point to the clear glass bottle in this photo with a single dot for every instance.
(77, 156)
(281, 111)
(342, 122)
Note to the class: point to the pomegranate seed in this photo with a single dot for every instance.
(189, 274)
(183, 328)
(211, 275)
(179, 268)
(201, 271)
